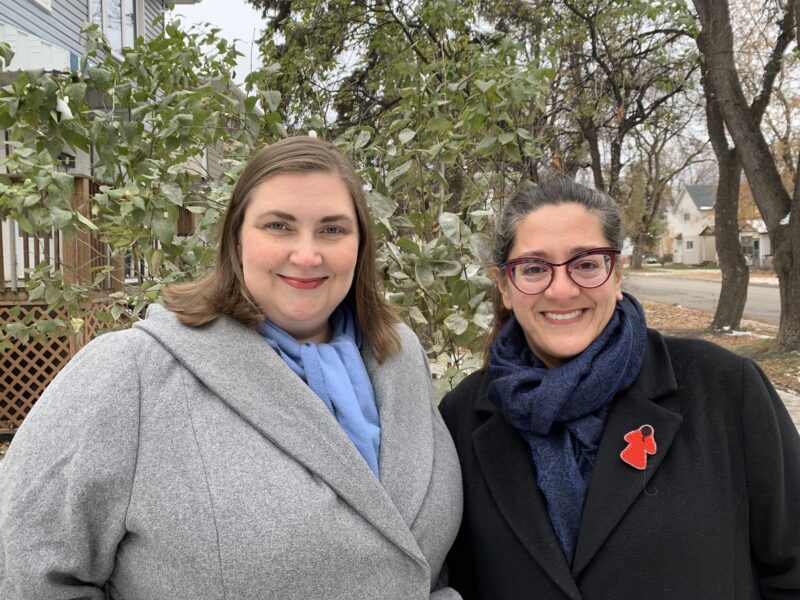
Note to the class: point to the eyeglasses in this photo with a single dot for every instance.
(589, 269)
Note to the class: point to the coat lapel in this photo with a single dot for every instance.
(615, 485)
(254, 382)
(507, 467)
(406, 460)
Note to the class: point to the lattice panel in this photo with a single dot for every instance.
(28, 368)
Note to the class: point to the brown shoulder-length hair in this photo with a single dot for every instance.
(223, 291)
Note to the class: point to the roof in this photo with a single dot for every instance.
(757, 225)
(703, 195)
(708, 230)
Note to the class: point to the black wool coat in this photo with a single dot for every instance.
(714, 516)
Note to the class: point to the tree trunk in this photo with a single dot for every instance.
(638, 250)
(735, 275)
(773, 201)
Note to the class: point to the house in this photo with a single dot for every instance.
(755, 242)
(46, 34)
(690, 237)
(690, 224)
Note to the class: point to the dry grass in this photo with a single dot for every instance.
(753, 340)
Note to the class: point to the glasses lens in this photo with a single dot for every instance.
(531, 277)
(590, 271)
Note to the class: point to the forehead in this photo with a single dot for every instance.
(302, 190)
(558, 231)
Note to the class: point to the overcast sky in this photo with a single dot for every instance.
(237, 20)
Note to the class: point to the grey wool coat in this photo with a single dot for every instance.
(169, 462)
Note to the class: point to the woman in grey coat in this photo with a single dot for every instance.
(271, 433)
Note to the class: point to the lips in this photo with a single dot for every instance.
(303, 283)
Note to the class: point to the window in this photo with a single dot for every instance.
(66, 162)
(116, 19)
(747, 245)
(689, 245)
(686, 217)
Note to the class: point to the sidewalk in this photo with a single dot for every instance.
(757, 278)
(792, 403)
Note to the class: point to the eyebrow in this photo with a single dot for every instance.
(545, 255)
(289, 217)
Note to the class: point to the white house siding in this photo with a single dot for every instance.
(690, 231)
(31, 52)
(59, 27)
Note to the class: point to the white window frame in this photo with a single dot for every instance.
(689, 245)
(45, 4)
(138, 19)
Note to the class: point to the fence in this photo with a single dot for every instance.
(27, 368)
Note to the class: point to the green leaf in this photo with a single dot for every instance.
(52, 295)
(406, 136)
(101, 78)
(485, 86)
(439, 124)
(447, 268)
(416, 316)
(173, 193)
(456, 323)
(86, 222)
(451, 227)
(272, 99)
(163, 228)
(481, 247)
(487, 143)
(75, 92)
(60, 217)
(382, 206)
(423, 274)
(394, 174)
(362, 139)
(37, 292)
(505, 138)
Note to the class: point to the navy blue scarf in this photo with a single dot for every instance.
(561, 412)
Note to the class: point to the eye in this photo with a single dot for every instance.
(332, 230)
(532, 269)
(275, 226)
(586, 264)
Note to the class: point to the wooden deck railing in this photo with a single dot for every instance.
(79, 257)
(27, 368)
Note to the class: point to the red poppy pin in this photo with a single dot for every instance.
(641, 442)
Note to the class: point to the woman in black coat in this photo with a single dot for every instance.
(602, 461)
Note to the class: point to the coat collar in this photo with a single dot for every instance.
(248, 376)
(506, 463)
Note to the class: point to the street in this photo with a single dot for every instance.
(763, 301)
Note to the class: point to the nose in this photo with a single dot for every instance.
(562, 287)
(305, 254)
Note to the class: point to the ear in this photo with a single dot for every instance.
(503, 285)
(617, 275)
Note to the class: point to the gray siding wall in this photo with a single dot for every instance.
(60, 26)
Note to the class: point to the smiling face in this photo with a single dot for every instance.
(562, 321)
(298, 247)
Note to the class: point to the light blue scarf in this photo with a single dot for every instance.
(336, 373)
